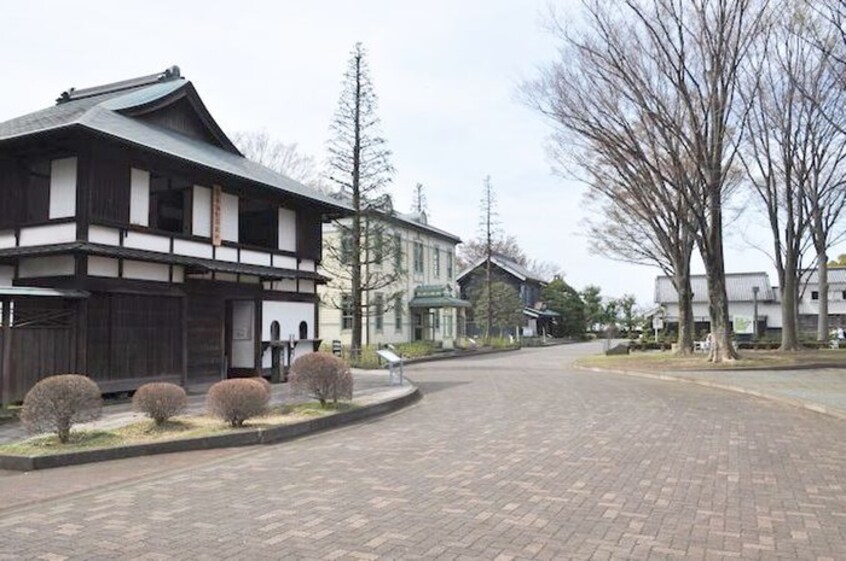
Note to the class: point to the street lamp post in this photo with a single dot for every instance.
(754, 313)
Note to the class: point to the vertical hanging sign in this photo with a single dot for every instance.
(217, 195)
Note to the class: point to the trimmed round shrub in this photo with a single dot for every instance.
(160, 401)
(323, 376)
(237, 400)
(264, 384)
(56, 403)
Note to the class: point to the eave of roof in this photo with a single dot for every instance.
(196, 263)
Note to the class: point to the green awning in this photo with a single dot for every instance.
(438, 302)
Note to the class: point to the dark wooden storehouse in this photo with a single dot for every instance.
(138, 244)
(472, 281)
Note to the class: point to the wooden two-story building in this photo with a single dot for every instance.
(138, 244)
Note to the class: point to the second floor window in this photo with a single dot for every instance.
(815, 295)
(258, 223)
(418, 257)
(168, 204)
(379, 311)
(398, 313)
(346, 246)
(398, 252)
(378, 246)
(436, 262)
(346, 312)
(449, 265)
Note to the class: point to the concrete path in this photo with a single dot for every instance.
(508, 457)
(367, 383)
(824, 386)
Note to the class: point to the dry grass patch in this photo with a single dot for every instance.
(177, 428)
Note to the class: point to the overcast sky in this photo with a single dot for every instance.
(446, 73)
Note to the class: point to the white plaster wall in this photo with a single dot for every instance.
(63, 188)
(7, 275)
(201, 221)
(285, 262)
(102, 266)
(52, 266)
(139, 202)
(243, 336)
(255, 257)
(150, 242)
(7, 239)
(289, 315)
(769, 310)
(48, 234)
(193, 249)
(287, 229)
(307, 286)
(142, 270)
(226, 254)
(307, 265)
(178, 273)
(103, 235)
(229, 217)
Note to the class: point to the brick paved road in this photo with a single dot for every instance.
(507, 457)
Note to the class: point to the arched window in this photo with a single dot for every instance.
(303, 330)
(274, 331)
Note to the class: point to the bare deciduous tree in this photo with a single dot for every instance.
(359, 164)
(604, 126)
(281, 157)
(777, 152)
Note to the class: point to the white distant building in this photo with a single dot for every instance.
(421, 305)
(742, 297)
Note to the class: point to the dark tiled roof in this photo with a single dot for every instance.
(101, 113)
(508, 265)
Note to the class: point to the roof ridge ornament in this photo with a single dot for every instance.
(72, 94)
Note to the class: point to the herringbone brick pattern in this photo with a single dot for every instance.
(507, 457)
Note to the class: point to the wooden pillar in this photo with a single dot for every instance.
(6, 361)
(184, 341)
(257, 335)
(81, 337)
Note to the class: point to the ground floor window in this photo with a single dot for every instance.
(346, 312)
(398, 313)
(436, 321)
(379, 311)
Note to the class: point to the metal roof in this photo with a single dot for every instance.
(738, 288)
(836, 275)
(438, 302)
(100, 113)
(506, 264)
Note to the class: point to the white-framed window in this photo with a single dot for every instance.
(418, 257)
(398, 314)
(379, 311)
(436, 262)
(346, 311)
(449, 265)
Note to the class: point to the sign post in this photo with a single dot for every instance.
(394, 365)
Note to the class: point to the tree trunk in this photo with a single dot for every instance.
(721, 347)
(789, 293)
(686, 326)
(822, 318)
(355, 276)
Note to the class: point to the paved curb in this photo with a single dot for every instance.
(269, 435)
(462, 354)
(795, 402)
